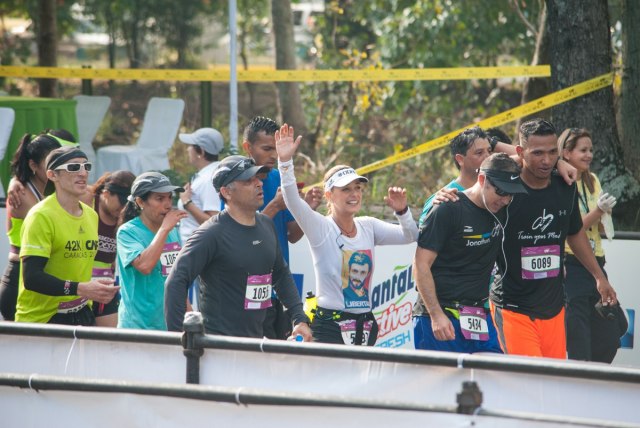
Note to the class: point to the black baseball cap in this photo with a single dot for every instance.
(234, 168)
(508, 182)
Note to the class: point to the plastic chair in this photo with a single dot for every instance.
(7, 117)
(159, 130)
(90, 112)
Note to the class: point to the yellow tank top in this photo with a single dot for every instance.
(14, 231)
(16, 223)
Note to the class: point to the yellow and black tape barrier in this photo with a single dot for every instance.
(527, 109)
(271, 75)
(516, 113)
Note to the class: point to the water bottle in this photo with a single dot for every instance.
(310, 305)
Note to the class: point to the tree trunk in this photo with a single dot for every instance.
(47, 45)
(288, 92)
(244, 57)
(630, 91)
(535, 88)
(131, 30)
(581, 50)
(135, 45)
(182, 27)
(111, 30)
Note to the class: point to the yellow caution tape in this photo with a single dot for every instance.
(263, 75)
(527, 109)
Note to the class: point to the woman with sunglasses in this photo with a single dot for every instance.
(29, 171)
(59, 243)
(342, 246)
(108, 196)
(148, 243)
(589, 336)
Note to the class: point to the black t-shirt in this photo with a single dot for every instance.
(538, 225)
(467, 239)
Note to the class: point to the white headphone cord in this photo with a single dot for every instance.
(504, 255)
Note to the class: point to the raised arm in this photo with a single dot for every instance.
(147, 260)
(286, 146)
(309, 220)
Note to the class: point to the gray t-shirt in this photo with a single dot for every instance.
(225, 254)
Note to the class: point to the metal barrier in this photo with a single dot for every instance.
(194, 342)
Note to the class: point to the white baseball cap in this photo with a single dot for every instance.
(208, 138)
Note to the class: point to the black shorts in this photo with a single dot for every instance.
(326, 329)
(83, 317)
(104, 309)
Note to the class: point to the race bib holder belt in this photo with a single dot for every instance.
(337, 316)
(453, 308)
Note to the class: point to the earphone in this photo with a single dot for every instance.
(503, 227)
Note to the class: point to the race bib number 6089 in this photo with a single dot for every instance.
(540, 262)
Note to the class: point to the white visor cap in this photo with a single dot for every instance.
(342, 178)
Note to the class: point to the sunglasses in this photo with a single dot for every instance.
(237, 169)
(75, 167)
(243, 164)
(498, 191)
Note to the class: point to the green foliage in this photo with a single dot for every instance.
(254, 26)
(13, 49)
(365, 121)
(30, 9)
(181, 24)
(141, 24)
(176, 178)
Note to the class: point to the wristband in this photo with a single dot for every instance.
(493, 142)
(285, 165)
(404, 211)
(184, 205)
(70, 288)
